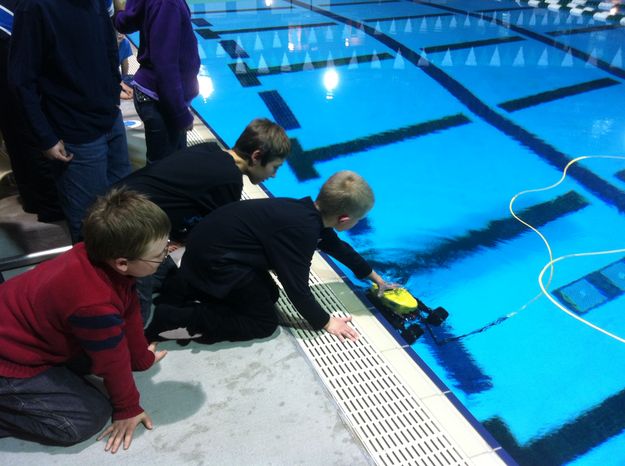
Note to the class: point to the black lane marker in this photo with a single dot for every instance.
(568, 32)
(472, 43)
(302, 161)
(249, 76)
(274, 28)
(280, 110)
(495, 233)
(390, 18)
(555, 94)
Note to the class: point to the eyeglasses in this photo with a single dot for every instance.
(164, 254)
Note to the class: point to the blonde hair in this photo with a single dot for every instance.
(123, 223)
(345, 193)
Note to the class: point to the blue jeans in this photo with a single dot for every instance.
(161, 139)
(96, 166)
(56, 407)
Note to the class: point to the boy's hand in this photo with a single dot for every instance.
(158, 355)
(338, 326)
(58, 152)
(173, 245)
(382, 287)
(126, 92)
(123, 430)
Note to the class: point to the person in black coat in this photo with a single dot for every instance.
(64, 70)
(32, 172)
(223, 289)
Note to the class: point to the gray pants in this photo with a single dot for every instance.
(56, 407)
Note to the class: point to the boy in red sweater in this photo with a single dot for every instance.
(82, 305)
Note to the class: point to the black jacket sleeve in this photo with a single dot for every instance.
(331, 244)
(290, 250)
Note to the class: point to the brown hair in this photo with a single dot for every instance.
(123, 223)
(267, 137)
(345, 193)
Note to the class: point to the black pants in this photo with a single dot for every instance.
(161, 138)
(248, 312)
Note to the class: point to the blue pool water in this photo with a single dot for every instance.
(449, 108)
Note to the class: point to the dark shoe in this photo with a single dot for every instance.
(50, 216)
(167, 317)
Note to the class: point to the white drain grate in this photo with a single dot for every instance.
(194, 138)
(392, 423)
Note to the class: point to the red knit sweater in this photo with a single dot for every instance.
(67, 306)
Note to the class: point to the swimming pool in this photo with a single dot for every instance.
(450, 108)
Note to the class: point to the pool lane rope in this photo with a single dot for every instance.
(550, 265)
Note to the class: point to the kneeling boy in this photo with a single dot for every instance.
(228, 256)
(82, 305)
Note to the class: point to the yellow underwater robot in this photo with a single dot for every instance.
(405, 312)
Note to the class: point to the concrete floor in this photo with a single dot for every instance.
(258, 403)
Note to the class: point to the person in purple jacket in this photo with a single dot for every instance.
(166, 81)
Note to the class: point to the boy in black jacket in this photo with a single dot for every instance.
(196, 180)
(223, 289)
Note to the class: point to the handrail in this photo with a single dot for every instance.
(23, 260)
